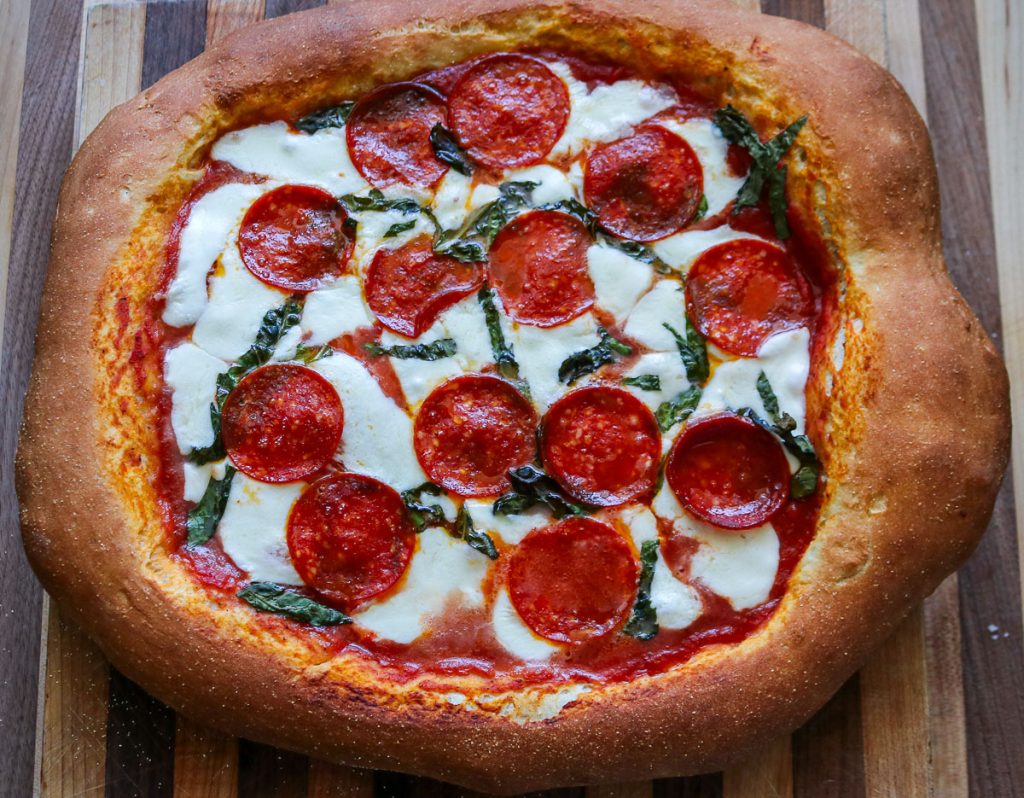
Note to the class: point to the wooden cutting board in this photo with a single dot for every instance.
(939, 711)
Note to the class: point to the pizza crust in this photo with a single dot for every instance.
(916, 419)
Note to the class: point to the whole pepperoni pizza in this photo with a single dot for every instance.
(521, 394)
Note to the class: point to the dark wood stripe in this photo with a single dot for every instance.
(990, 582)
(46, 141)
(140, 743)
(828, 751)
(175, 33)
(392, 785)
(266, 772)
(810, 11)
(706, 786)
(275, 8)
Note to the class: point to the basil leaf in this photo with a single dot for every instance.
(679, 409)
(702, 209)
(204, 517)
(504, 357)
(376, 201)
(640, 252)
(435, 350)
(399, 227)
(573, 207)
(805, 481)
(476, 539)
(783, 421)
(422, 514)
(335, 116)
(645, 382)
(531, 486)
(268, 597)
(587, 361)
(765, 167)
(471, 242)
(694, 352)
(448, 151)
(643, 621)
(311, 354)
(275, 325)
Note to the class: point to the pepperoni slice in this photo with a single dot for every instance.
(294, 238)
(741, 292)
(602, 445)
(645, 186)
(573, 581)
(471, 430)
(728, 471)
(282, 423)
(388, 135)
(350, 537)
(407, 288)
(509, 110)
(538, 264)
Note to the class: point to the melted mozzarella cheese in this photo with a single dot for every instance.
(785, 359)
(712, 149)
(510, 528)
(663, 304)
(451, 200)
(465, 323)
(540, 352)
(442, 570)
(212, 222)
(238, 303)
(737, 564)
(682, 249)
(668, 368)
(608, 112)
(372, 233)
(552, 184)
(377, 436)
(515, 636)
(197, 477)
(320, 159)
(191, 374)
(334, 310)
(619, 280)
(419, 377)
(254, 528)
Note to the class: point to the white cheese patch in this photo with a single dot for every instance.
(288, 345)
(785, 359)
(371, 418)
(510, 528)
(320, 159)
(372, 228)
(663, 304)
(197, 477)
(212, 222)
(465, 323)
(238, 303)
(552, 183)
(451, 200)
(191, 374)
(334, 310)
(737, 564)
(419, 377)
(682, 249)
(540, 352)
(254, 528)
(619, 280)
(442, 570)
(712, 149)
(608, 112)
(668, 368)
(514, 635)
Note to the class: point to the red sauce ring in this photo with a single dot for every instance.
(282, 423)
(508, 110)
(645, 186)
(471, 430)
(538, 266)
(388, 135)
(742, 292)
(573, 581)
(728, 471)
(350, 537)
(602, 445)
(294, 238)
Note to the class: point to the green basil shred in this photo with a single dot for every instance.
(448, 151)
(476, 538)
(268, 597)
(471, 242)
(643, 620)
(336, 116)
(531, 486)
(504, 357)
(435, 350)
(203, 518)
(587, 361)
(422, 514)
(805, 481)
(677, 410)
(645, 382)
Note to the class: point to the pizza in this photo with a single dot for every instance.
(519, 394)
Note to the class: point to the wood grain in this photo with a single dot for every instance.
(226, 16)
(205, 762)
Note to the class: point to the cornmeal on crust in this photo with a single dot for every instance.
(915, 439)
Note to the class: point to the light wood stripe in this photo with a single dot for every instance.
(336, 781)
(226, 16)
(768, 774)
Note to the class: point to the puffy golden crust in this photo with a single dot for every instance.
(913, 396)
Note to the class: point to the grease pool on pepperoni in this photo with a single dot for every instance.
(538, 266)
(388, 135)
(742, 292)
(602, 445)
(294, 238)
(350, 537)
(573, 581)
(471, 430)
(409, 287)
(728, 471)
(645, 186)
(508, 110)
(282, 423)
